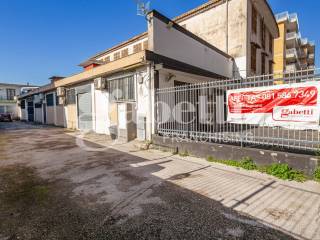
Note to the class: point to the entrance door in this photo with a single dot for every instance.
(84, 111)
(30, 110)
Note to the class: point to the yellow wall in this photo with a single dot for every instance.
(280, 49)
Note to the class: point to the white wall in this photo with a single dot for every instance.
(101, 108)
(174, 44)
(38, 115)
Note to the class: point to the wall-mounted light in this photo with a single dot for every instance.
(169, 77)
(140, 78)
(170, 25)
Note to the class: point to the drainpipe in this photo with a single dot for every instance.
(151, 75)
(227, 26)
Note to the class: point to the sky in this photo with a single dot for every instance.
(42, 38)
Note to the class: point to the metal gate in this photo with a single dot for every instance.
(30, 111)
(84, 111)
(198, 112)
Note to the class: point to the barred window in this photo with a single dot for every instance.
(137, 48)
(116, 56)
(263, 64)
(10, 94)
(125, 52)
(71, 96)
(253, 59)
(270, 43)
(122, 89)
(254, 20)
(270, 66)
(262, 33)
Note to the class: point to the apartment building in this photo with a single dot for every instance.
(115, 92)
(8, 91)
(291, 51)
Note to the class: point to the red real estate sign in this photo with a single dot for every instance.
(268, 105)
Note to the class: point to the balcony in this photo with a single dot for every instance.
(293, 35)
(292, 39)
(310, 59)
(291, 54)
(292, 19)
(292, 67)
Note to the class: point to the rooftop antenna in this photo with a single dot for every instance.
(143, 8)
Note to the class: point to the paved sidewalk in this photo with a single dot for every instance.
(291, 207)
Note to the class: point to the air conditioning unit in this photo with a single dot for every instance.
(41, 96)
(100, 83)
(62, 100)
(61, 91)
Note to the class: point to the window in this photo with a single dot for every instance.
(254, 20)
(107, 59)
(253, 58)
(71, 96)
(116, 56)
(137, 48)
(23, 104)
(38, 105)
(262, 34)
(263, 64)
(10, 94)
(270, 66)
(270, 43)
(122, 89)
(125, 52)
(50, 101)
(145, 45)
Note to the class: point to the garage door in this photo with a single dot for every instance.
(84, 111)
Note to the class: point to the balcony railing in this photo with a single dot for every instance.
(291, 53)
(6, 101)
(293, 35)
(286, 16)
(292, 67)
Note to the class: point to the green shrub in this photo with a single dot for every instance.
(317, 174)
(184, 154)
(283, 171)
(317, 152)
(247, 163)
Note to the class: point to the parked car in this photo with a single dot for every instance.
(5, 117)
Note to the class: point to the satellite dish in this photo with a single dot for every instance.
(143, 8)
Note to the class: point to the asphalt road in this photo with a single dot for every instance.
(50, 188)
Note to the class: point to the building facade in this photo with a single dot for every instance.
(115, 92)
(8, 102)
(291, 51)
